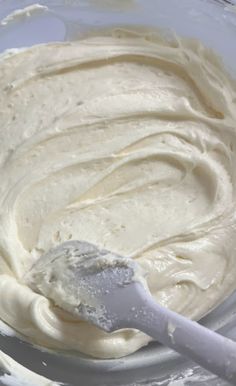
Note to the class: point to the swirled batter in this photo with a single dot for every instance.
(128, 142)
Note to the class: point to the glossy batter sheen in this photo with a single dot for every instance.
(127, 142)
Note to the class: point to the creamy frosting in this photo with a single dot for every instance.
(127, 142)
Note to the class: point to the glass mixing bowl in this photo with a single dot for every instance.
(214, 23)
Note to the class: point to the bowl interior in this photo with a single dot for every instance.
(208, 21)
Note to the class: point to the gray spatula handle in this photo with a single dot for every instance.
(207, 348)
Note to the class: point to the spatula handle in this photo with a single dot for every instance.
(194, 341)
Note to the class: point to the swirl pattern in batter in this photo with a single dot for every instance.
(127, 142)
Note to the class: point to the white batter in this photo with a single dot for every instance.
(129, 143)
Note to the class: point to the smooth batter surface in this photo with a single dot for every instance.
(128, 143)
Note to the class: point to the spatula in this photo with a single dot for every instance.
(110, 291)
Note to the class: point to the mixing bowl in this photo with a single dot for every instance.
(214, 23)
